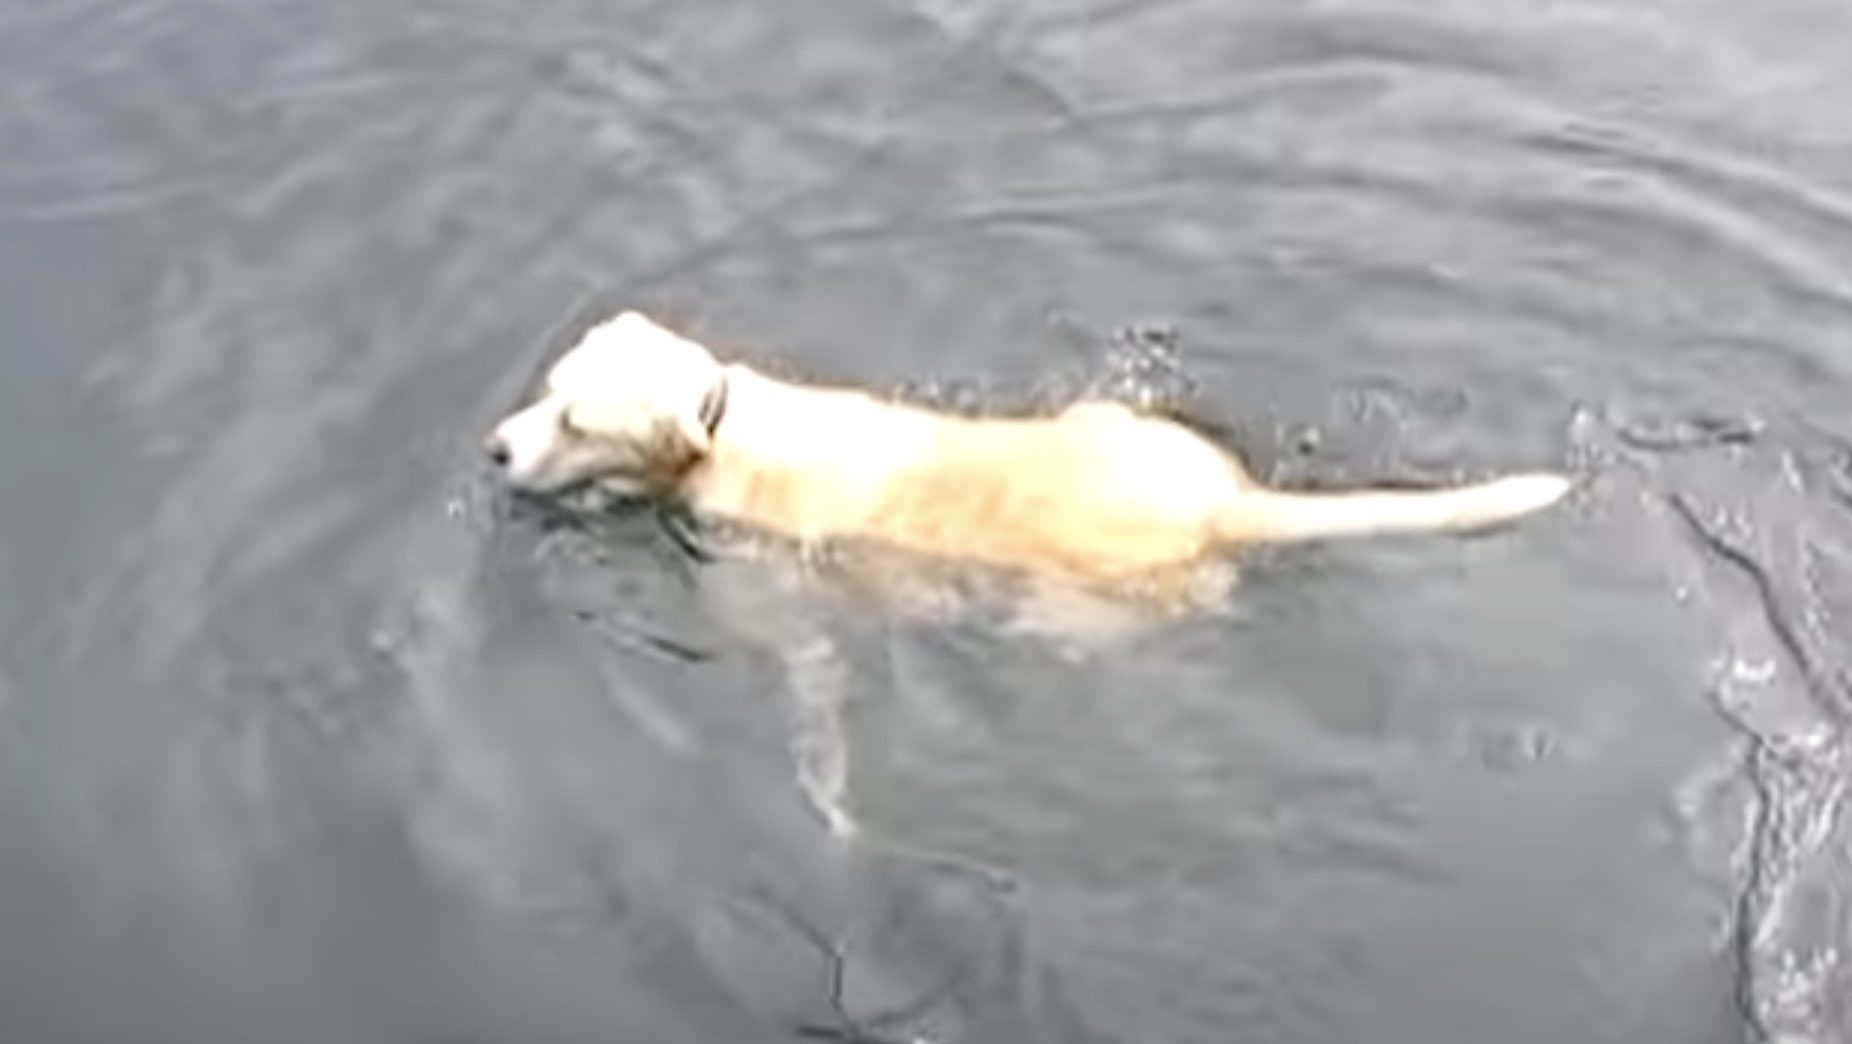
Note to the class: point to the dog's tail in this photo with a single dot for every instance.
(1265, 515)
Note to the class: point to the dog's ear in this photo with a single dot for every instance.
(692, 431)
(676, 444)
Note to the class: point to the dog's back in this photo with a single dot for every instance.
(1097, 489)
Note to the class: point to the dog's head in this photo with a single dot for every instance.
(632, 407)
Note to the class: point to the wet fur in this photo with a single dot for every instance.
(1098, 491)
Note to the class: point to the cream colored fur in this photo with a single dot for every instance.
(1095, 492)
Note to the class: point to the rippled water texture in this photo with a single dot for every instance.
(305, 736)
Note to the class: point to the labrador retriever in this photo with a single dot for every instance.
(1096, 492)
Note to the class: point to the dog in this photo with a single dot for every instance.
(1098, 492)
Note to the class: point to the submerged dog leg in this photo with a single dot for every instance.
(763, 602)
(819, 681)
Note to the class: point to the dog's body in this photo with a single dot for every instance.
(1098, 491)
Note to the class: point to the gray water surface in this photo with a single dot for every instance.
(305, 736)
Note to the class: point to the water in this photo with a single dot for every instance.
(303, 737)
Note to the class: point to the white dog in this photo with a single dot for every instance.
(1097, 492)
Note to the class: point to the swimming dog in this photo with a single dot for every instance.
(1098, 491)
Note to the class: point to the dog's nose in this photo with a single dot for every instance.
(496, 449)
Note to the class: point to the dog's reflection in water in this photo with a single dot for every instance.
(785, 600)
